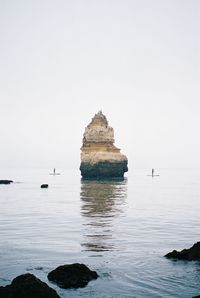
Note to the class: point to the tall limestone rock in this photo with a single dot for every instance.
(99, 156)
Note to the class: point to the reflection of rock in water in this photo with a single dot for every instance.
(101, 202)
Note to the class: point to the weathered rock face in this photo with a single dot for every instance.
(99, 156)
(72, 276)
(27, 286)
(190, 254)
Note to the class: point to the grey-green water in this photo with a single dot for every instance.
(121, 229)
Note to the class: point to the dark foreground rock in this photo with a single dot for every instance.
(190, 254)
(6, 181)
(196, 296)
(27, 286)
(104, 169)
(72, 276)
(44, 186)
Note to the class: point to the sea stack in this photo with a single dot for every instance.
(100, 158)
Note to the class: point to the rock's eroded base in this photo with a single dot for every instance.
(72, 276)
(103, 169)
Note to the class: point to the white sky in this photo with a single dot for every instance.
(137, 60)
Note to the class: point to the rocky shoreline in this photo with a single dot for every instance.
(72, 276)
(66, 276)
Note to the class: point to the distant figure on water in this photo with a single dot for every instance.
(54, 173)
(152, 174)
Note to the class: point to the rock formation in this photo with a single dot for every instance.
(27, 286)
(190, 254)
(44, 186)
(72, 276)
(99, 156)
(6, 181)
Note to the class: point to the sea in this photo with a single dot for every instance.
(121, 229)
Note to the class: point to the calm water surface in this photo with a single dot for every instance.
(121, 229)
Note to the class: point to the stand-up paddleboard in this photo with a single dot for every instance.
(54, 174)
(152, 174)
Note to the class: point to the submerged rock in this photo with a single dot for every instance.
(72, 276)
(190, 254)
(100, 158)
(6, 181)
(44, 186)
(27, 286)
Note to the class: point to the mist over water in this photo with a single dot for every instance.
(138, 61)
(121, 229)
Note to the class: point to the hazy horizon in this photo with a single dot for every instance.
(63, 61)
